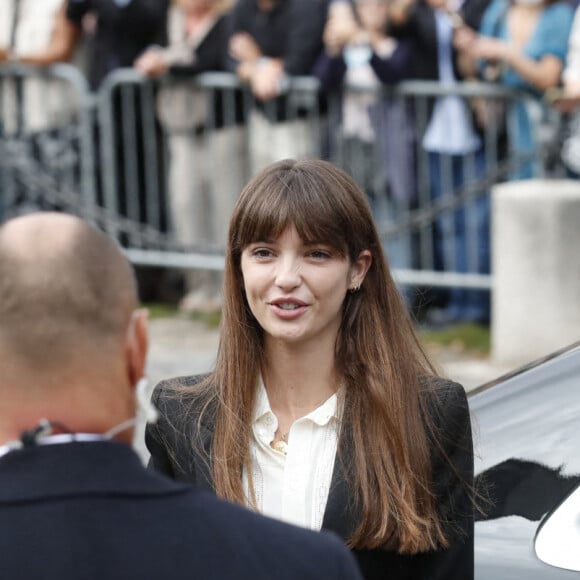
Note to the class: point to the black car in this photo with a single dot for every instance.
(526, 429)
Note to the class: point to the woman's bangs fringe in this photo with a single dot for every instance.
(287, 204)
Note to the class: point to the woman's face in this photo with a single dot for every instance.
(295, 290)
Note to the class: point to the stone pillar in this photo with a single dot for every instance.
(536, 268)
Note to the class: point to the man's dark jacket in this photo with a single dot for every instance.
(91, 511)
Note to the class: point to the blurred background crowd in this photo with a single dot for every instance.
(531, 46)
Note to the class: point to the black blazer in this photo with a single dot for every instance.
(91, 511)
(172, 452)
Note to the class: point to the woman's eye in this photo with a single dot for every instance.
(262, 253)
(320, 254)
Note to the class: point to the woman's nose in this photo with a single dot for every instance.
(287, 273)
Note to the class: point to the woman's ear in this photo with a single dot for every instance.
(359, 269)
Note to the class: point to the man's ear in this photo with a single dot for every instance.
(136, 344)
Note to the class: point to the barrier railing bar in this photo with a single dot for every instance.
(302, 95)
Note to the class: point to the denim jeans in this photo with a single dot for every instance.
(461, 235)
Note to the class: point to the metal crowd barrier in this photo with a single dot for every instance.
(49, 157)
(159, 164)
(46, 145)
(177, 153)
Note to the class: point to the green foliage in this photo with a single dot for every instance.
(210, 319)
(464, 338)
(470, 338)
(161, 310)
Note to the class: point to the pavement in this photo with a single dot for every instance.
(181, 346)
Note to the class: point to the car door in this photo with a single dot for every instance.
(526, 431)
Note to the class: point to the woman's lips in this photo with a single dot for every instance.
(288, 309)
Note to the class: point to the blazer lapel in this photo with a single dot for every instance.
(342, 514)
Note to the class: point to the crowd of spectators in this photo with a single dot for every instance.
(530, 45)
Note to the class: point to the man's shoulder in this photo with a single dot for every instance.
(175, 530)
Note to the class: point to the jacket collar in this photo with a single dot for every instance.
(80, 468)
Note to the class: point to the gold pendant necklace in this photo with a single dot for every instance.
(281, 445)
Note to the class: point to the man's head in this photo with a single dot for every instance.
(69, 334)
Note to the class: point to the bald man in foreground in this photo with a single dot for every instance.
(75, 500)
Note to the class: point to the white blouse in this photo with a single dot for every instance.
(294, 487)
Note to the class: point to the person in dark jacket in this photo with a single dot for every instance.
(273, 41)
(204, 135)
(454, 147)
(117, 32)
(124, 29)
(75, 499)
(371, 133)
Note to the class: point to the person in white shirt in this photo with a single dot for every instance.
(36, 34)
(322, 409)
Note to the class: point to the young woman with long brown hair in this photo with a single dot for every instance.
(323, 409)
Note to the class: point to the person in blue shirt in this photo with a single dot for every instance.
(526, 41)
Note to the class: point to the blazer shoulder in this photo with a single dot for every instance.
(449, 426)
(184, 404)
(180, 441)
(175, 383)
(171, 395)
(443, 396)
